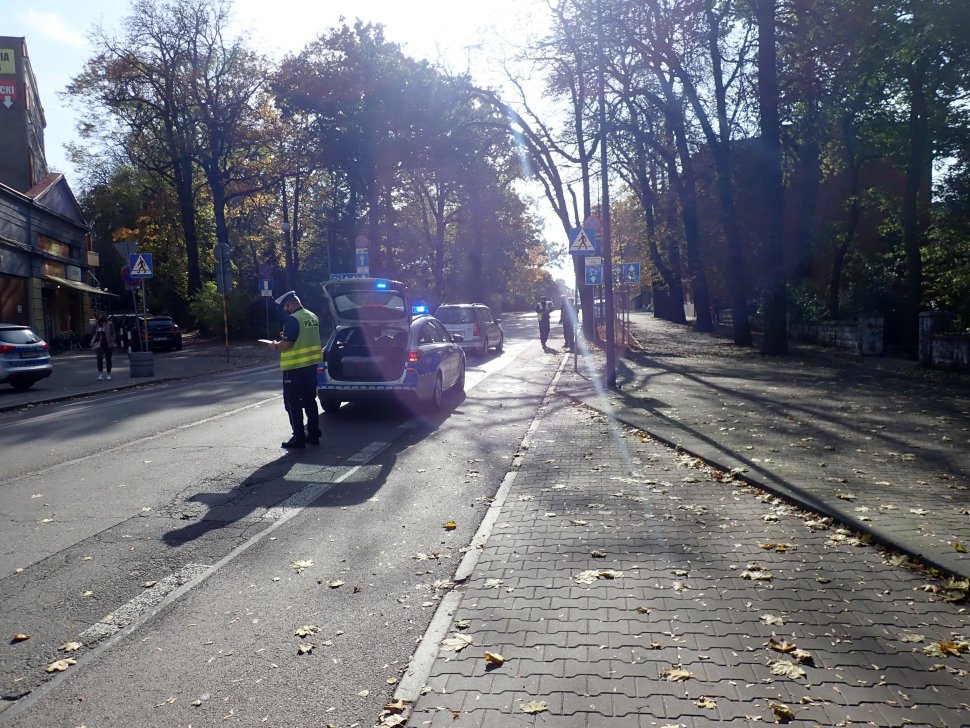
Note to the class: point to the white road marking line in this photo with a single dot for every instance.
(132, 610)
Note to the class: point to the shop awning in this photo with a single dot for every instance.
(77, 285)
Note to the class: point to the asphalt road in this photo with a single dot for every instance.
(164, 530)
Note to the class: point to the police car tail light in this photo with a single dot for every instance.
(478, 329)
(414, 357)
(4, 348)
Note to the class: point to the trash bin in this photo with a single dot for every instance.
(142, 364)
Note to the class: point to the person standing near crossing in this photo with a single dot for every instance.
(300, 352)
(543, 310)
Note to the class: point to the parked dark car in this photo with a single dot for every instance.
(163, 333)
(24, 357)
(380, 350)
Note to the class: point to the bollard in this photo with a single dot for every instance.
(142, 364)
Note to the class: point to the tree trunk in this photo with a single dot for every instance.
(914, 214)
(775, 340)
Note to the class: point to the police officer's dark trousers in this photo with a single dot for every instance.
(299, 396)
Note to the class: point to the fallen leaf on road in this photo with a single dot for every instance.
(306, 630)
(456, 643)
(398, 706)
(535, 706)
(449, 525)
(363, 693)
(61, 665)
(335, 584)
(20, 637)
(149, 584)
(70, 647)
(305, 649)
(959, 548)
(300, 565)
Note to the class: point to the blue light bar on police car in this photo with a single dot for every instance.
(381, 284)
(419, 308)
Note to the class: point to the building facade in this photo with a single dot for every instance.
(46, 262)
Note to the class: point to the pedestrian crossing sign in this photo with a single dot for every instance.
(582, 241)
(140, 265)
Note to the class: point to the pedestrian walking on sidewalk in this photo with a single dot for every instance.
(567, 317)
(543, 311)
(300, 352)
(103, 343)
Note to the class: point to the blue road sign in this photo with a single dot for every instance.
(582, 241)
(140, 265)
(631, 273)
(594, 275)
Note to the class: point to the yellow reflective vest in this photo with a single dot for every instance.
(306, 350)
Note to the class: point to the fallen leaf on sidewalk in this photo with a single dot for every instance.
(456, 643)
(959, 547)
(675, 674)
(591, 576)
(783, 714)
(773, 620)
(788, 669)
(493, 659)
(703, 702)
(535, 706)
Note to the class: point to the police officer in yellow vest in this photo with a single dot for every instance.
(300, 352)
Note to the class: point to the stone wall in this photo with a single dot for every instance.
(864, 336)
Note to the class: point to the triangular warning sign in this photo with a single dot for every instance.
(140, 268)
(582, 243)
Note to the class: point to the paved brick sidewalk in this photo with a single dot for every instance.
(625, 584)
(881, 444)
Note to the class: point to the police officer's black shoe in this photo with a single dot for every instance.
(293, 444)
(313, 438)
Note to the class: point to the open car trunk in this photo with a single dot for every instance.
(368, 354)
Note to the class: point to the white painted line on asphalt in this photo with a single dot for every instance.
(368, 452)
(131, 611)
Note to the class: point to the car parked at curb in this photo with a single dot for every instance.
(479, 329)
(163, 333)
(25, 358)
(379, 350)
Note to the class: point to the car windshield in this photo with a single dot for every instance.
(18, 336)
(455, 315)
(369, 305)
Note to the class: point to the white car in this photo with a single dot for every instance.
(474, 323)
